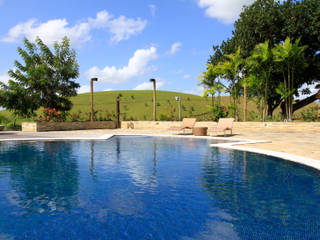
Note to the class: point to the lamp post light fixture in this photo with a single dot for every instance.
(179, 103)
(91, 94)
(154, 99)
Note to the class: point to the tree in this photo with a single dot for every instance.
(208, 80)
(291, 58)
(274, 21)
(211, 81)
(259, 66)
(43, 80)
(231, 69)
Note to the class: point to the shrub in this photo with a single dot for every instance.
(74, 117)
(164, 117)
(253, 116)
(219, 112)
(311, 114)
(13, 127)
(4, 119)
(52, 115)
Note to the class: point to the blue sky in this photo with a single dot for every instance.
(124, 42)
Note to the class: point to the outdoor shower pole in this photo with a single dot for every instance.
(154, 99)
(118, 111)
(91, 93)
(179, 104)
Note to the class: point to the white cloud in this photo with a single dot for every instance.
(108, 90)
(149, 85)
(137, 66)
(121, 28)
(4, 78)
(226, 11)
(186, 76)
(198, 91)
(153, 9)
(175, 47)
(84, 89)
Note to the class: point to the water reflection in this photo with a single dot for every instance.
(254, 189)
(43, 176)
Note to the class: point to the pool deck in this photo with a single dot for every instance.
(299, 145)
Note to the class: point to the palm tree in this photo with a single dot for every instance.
(208, 80)
(290, 56)
(260, 65)
(231, 70)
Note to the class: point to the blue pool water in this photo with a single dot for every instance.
(153, 188)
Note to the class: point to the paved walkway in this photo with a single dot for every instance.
(301, 143)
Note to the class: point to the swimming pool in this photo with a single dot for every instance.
(153, 188)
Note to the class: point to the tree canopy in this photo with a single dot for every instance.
(273, 22)
(44, 79)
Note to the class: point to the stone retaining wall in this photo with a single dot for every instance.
(63, 126)
(236, 125)
(164, 125)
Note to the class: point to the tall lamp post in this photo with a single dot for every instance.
(91, 93)
(179, 102)
(154, 99)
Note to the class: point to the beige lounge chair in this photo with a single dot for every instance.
(187, 123)
(224, 124)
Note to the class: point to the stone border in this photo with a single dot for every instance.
(103, 137)
(232, 145)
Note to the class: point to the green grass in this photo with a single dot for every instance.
(138, 105)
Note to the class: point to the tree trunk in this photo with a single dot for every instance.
(245, 102)
(301, 103)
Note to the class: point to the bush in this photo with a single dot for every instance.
(4, 119)
(219, 112)
(253, 116)
(51, 115)
(164, 117)
(13, 126)
(74, 117)
(311, 114)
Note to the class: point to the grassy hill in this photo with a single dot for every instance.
(138, 105)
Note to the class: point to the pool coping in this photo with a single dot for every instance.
(234, 144)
